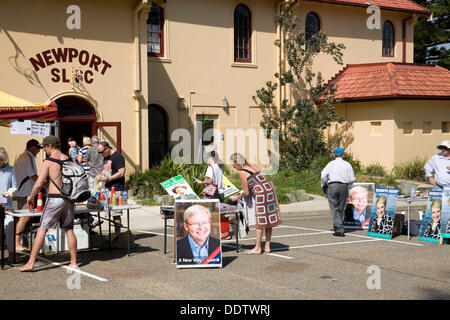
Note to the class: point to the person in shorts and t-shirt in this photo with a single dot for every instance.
(113, 175)
(56, 209)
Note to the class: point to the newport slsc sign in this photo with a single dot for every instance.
(84, 58)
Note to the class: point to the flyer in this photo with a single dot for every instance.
(20, 127)
(179, 188)
(383, 213)
(228, 187)
(197, 234)
(431, 228)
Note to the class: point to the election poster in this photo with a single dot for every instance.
(179, 188)
(358, 207)
(383, 213)
(445, 217)
(197, 234)
(431, 228)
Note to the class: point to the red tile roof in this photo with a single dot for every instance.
(396, 5)
(375, 81)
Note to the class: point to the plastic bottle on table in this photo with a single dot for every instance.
(413, 191)
(40, 203)
(125, 197)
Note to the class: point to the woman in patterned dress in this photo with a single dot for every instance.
(383, 222)
(260, 201)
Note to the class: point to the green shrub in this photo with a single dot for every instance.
(375, 169)
(147, 183)
(411, 170)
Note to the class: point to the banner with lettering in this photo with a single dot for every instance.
(197, 234)
(383, 213)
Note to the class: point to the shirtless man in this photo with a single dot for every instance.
(57, 209)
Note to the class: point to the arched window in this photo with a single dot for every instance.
(388, 39)
(155, 32)
(312, 26)
(242, 34)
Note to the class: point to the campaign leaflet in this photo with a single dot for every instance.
(228, 187)
(383, 213)
(431, 228)
(357, 209)
(179, 188)
(445, 217)
(197, 234)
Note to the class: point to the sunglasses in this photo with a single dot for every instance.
(101, 152)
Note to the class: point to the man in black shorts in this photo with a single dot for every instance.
(113, 175)
(57, 209)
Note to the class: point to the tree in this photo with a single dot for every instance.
(428, 35)
(301, 124)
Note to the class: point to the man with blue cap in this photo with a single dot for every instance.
(335, 178)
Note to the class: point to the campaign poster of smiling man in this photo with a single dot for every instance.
(197, 224)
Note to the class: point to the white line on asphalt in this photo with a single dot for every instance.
(282, 236)
(270, 254)
(354, 235)
(70, 268)
(324, 244)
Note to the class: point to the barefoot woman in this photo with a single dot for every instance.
(261, 205)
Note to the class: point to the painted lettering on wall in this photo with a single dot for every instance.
(70, 55)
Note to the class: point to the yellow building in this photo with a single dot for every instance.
(135, 71)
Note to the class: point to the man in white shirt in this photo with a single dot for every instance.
(26, 176)
(335, 179)
(439, 164)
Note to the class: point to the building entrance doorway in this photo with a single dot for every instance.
(158, 128)
(76, 117)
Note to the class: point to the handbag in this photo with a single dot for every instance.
(211, 189)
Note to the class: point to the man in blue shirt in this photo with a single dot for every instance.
(197, 246)
(439, 164)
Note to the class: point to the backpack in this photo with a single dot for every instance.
(75, 184)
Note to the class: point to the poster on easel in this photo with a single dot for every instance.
(445, 216)
(383, 213)
(430, 230)
(197, 234)
(179, 188)
(358, 207)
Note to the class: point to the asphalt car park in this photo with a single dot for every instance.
(306, 263)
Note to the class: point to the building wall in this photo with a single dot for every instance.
(418, 115)
(107, 30)
(348, 25)
(373, 130)
(198, 66)
(400, 136)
